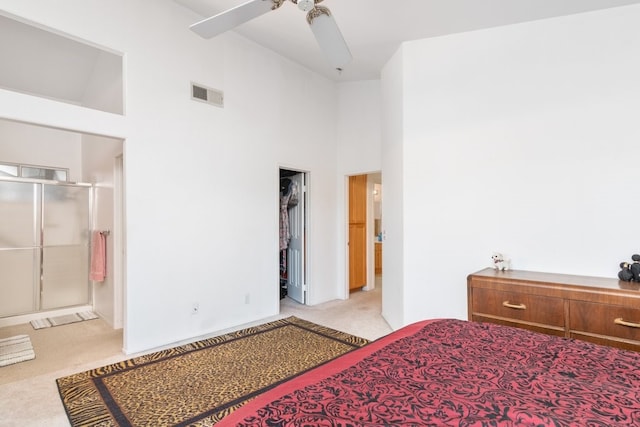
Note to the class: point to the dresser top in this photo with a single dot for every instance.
(560, 279)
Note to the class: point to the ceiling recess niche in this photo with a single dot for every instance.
(43, 63)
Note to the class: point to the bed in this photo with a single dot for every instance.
(454, 372)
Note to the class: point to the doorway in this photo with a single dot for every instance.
(364, 232)
(357, 232)
(86, 158)
(293, 235)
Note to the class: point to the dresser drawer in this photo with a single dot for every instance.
(518, 306)
(603, 319)
(597, 309)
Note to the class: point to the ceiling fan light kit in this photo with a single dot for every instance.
(305, 5)
(324, 27)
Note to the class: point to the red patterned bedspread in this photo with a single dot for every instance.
(457, 373)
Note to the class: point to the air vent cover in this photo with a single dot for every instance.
(206, 94)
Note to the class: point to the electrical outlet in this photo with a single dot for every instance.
(195, 308)
(247, 298)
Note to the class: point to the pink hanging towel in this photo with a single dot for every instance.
(98, 257)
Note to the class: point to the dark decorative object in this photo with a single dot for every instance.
(635, 267)
(630, 272)
(625, 273)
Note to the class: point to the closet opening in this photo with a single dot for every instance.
(293, 235)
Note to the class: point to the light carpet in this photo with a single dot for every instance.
(16, 349)
(48, 322)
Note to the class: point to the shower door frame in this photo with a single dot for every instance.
(39, 246)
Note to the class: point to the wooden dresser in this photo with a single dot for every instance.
(600, 310)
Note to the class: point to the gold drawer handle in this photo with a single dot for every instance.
(516, 306)
(619, 321)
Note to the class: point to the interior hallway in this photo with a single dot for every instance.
(28, 392)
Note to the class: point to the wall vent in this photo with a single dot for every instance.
(206, 94)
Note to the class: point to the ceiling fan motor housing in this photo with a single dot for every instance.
(306, 5)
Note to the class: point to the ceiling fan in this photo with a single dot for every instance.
(320, 20)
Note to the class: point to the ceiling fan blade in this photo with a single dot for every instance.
(233, 17)
(329, 37)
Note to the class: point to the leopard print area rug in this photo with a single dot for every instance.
(199, 383)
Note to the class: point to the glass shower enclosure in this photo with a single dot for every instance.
(44, 245)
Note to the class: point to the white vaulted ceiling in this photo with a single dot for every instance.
(374, 29)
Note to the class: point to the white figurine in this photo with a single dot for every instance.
(500, 262)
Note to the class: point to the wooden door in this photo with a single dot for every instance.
(357, 231)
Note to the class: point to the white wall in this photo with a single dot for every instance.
(359, 127)
(104, 90)
(519, 139)
(359, 144)
(98, 163)
(22, 143)
(201, 182)
(392, 95)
